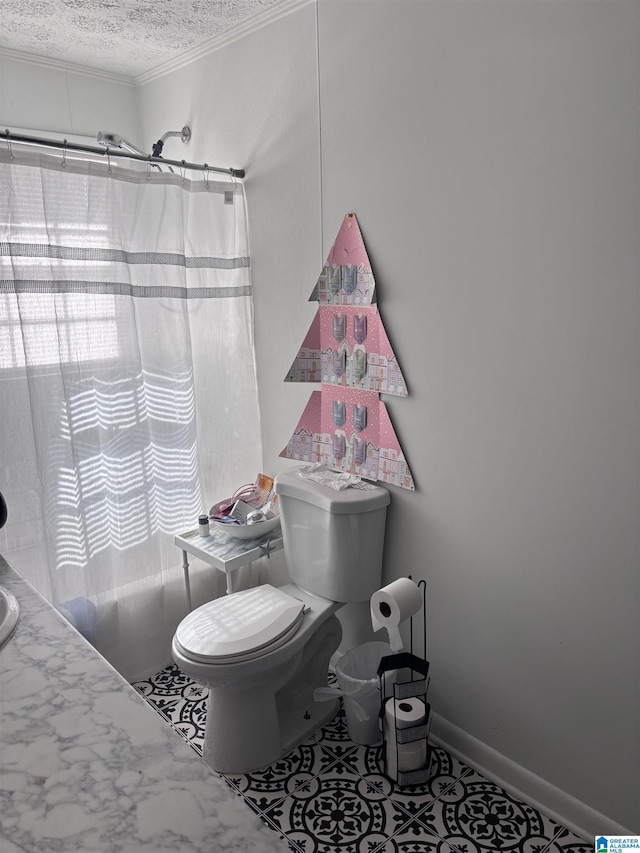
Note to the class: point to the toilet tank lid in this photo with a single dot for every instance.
(350, 500)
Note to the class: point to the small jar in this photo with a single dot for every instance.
(203, 525)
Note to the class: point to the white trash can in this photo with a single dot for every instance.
(359, 686)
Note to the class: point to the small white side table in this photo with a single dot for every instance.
(225, 553)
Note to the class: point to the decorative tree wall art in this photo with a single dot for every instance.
(345, 425)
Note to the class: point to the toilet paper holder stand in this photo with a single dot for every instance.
(414, 671)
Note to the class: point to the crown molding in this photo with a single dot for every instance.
(61, 65)
(243, 28)
(238, 31)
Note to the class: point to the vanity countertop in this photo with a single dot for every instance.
(86, 765)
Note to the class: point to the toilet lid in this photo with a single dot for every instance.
(240, 626)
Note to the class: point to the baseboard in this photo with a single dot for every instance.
(560, 806)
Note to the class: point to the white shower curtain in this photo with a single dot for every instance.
(128, 399)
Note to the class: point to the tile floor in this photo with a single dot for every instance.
(329, 795)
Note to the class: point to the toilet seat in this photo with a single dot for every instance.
(239, 627)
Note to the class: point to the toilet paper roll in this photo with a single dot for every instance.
(410, 756)
(394, 604)
(402, 714)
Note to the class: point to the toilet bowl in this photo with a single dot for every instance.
(261, 680)
(263, 651)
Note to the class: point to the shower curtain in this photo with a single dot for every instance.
(128, 398)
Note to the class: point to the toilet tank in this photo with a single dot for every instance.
(333, 541)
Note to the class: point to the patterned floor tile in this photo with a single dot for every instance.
(330, 795)
(262, 789)
(413, 838)
(334, 738)
(566, 842)
(476, 816)
(180, 701)
(444, 771)
(335, 731)
(337, 813)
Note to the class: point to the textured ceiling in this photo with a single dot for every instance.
(128, 37)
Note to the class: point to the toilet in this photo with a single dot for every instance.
(263, 651)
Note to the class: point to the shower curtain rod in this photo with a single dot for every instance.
(64, 145)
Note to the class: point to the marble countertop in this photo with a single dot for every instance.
(86, 765)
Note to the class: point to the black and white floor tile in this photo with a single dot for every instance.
(329, 795)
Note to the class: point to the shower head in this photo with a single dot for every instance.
(105, 138)
(114, 140)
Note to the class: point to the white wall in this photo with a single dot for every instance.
(491, 153)
(63, 99)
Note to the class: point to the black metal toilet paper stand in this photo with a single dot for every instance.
(414, 671)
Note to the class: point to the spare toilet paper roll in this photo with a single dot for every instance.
(394, 604)
(402, 714)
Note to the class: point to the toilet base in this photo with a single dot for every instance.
(301, 725)
(252, 727)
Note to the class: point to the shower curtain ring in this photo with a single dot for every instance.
(8, 135)
(206, 174)
(149, 167)
(64, 153)
(108, 163)
(184, 169)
